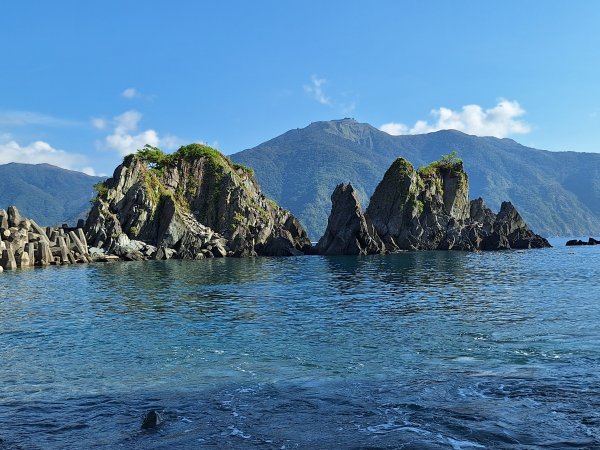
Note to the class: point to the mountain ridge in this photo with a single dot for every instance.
(48, 194)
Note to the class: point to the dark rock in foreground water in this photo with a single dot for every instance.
(428, 209)
(152, 420)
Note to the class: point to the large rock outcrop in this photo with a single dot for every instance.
(192, 204)
(348, 232)
(429, 209)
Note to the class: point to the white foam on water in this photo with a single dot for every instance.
(391, 425)
(471, 392)
(237, 432)
(464, 359)
(246, 390)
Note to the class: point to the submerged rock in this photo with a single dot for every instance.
(347, 230)
(425, 209)
(193, 204)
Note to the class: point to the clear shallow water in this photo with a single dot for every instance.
(415, 350)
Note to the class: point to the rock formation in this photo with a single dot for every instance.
(347, 230)
(192, 204)
(428, 209)
(23, 243)
(577, 242)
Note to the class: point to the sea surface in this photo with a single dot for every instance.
(425, 350)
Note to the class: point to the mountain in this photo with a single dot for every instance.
(557, 193)
(48, 194)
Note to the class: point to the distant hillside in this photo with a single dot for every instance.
(48, 194)
(558, 193)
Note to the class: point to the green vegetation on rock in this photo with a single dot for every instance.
(101, 191)
(157, 159)
(403, 167)
(447, 162)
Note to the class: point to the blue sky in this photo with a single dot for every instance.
(82, 83)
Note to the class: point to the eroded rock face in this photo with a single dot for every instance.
(428, 209)
(193, 204)
(347, 230)
(412, 210)
(509, 230)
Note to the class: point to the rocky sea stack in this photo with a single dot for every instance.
(192, 204)
(425, 209)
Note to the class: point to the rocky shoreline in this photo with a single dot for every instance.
(197, 204)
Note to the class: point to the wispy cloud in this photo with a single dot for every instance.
(126, 137)
(316, 90)
(39, 152)
(502, 120)
(130, 93)
(22, 118)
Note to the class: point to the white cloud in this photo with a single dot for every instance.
(393, 128)
(128, 121)
(316, 90)
(89, 171)
(22, 118)
(343, 102)
(99, 123)
(500, 121)
(130, 93)
(39, 152)
(126, 139)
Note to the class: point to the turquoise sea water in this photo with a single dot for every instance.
(415, 350)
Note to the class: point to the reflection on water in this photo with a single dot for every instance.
(419, 350)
